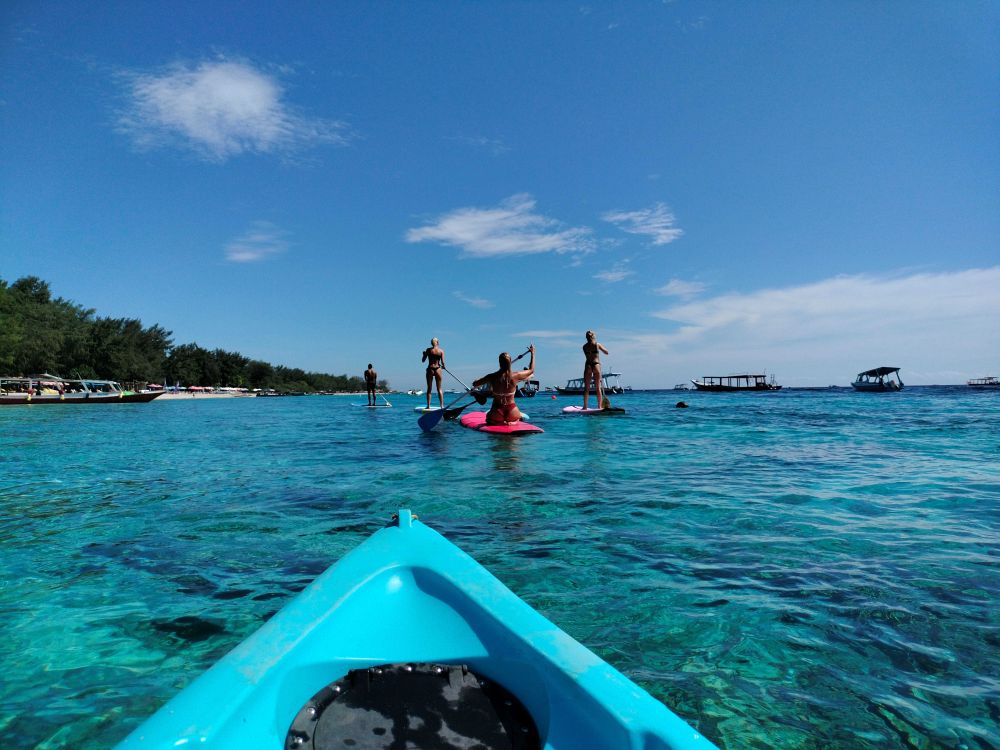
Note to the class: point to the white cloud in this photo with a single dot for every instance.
(938, 327)
(512, 228)
(679, 288)
(219, 109)
(479, 302)
(495, 146)
(616, 274)
(546, 334)
(657, 222)
(261, 241)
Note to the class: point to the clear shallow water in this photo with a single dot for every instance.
(803, 569)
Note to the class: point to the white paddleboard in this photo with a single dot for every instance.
(375, 406)
(425, 410)
(581, 410)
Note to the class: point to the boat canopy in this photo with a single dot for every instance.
(878, 372)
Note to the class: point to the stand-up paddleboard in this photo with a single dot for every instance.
(476, 420)
(373, 406)
(425, 410)
(580, 410)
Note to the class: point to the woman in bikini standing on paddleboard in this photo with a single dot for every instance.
(592, 369)
(434, 357)
(503, 384)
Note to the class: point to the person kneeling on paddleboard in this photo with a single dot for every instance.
(503, 384)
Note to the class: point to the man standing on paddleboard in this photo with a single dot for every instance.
(592, 369)
(371, 378)
(434, 357)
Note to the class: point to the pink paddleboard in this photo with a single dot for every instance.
(476, 420)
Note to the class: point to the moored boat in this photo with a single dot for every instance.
(409, 642)
(51, 389)
(728, 383)
(611, 381)
(528, 389)
(878, 380)
(990, 381)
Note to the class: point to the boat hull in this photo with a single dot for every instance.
(408, 596)
(22, 399)
(734, 389)
(876, 387)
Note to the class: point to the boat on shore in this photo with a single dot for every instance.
(51, 389)
(735, 383)
(407, 641)
(878, 380)
(990, 381)
(611, 381)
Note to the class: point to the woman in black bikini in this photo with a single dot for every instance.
(592, 369)
(503, 384)
(434, 357)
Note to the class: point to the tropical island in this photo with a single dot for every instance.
(40, 333)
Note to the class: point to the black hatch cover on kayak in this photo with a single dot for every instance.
(410, 706)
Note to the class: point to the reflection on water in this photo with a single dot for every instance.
(795, 570)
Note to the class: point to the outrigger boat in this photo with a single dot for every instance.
(879, 379)
(612, 384)
(50, 389)
(409, 642)
(727, 383)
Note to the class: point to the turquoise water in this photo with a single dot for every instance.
(803, 569)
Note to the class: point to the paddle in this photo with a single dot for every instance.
(478, 395)
(429, 421)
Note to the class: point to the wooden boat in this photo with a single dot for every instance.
(990, 381)
(50, 389)
(611, 380)
(731, 383)
(409, 642)
(879, 379)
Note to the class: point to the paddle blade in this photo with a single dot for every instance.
(429, 420)
(450, 414)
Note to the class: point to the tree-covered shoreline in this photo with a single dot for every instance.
(40, 333)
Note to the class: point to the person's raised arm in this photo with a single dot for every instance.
(525, 374)
(423, 357)
(601, 347)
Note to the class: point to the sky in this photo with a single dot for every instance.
(803, 189)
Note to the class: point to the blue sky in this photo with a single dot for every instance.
(810, 189)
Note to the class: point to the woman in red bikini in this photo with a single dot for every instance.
(503, 384)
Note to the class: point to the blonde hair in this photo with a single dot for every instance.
(434, 342)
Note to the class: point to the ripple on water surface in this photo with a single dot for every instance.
(797, 569)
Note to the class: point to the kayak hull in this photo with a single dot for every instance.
(408, 595)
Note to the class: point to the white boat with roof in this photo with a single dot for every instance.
(990, 381)
(611, 380)
(878, 380)
(52, 389)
